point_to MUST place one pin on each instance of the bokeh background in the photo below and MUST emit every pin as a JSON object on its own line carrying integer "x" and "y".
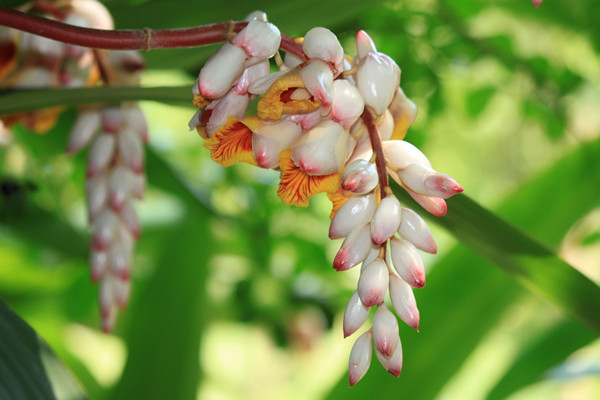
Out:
{"x": 234, "y": 296}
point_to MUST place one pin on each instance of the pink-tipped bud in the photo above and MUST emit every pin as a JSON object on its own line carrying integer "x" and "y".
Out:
{"x": 385, "y": 331}
{"x": 119, "y": 261}
{"x": 321, "y": 43}
{"x": 386, "y": 219}
{"x": 377, "y": 78}
{"x": 131, "y": 150}
{"x": 119, "y": 188}
{"x": 356, "y": 211}
{"x": 130, "y": 219}
{"x": 360, "y": 176}
{"x": 360, "y": 357}
{"x": 434, "y": 205}
{"x": 86, "y": 125}
{"x": 97, "y": 194}
{"x": 425, "y": 180}
{"x": 112, "y": 117}
{"x": 104, "y": 228}
{"x": 403, "y": 300}
{"x": 221, "y": 70}
{"x": 400, "y": 154}
{"x": 122, "y": 292}
{"x": 259, "y": 40}
{"x": 414, "y": 229}
{"x": 106, "y": 297}
{"x": 364, "y": 45}
{"x": 355, "y": 315}
{"x": 138, "y": 184}
{"x": 354, "y": 249}
{"x": 230, "y": 105}
{"x": 536, "y": 3}
{"x": 100, "y": 154}
{"x": 373, "y": 283}
{"x": 98, "y": 265}
{"x": 322, "y": 150}
{"x": 347, "y": 103}
{"x": 408, "y": 262}
{"x": 136, "y": 120}
{"x": 318, "y": 79}
{"x": 392, "y": 364}
{"x": 251, "y": 75}
{"x": 268, "y": 140}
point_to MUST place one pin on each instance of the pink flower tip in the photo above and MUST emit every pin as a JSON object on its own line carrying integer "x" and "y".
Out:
{"x": 536, "y": 3}
{"x": 395, "y": 372}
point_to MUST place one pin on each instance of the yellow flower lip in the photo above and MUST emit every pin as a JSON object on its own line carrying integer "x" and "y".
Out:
{"x": 279, "y": 100}
{"x": 231, "y": 144}
{"x": 297, "y": 187}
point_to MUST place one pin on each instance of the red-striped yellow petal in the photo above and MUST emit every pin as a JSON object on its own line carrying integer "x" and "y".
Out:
{"x": 297, "y": 187}
{"x": 231, "y": 144}
{"x": 280, "y": 98}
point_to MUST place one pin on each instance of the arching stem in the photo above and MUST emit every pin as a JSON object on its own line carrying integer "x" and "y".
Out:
{"x": 377, "y": 150}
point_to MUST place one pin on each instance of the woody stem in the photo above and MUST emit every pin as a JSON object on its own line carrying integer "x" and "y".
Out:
{"x": 131, "y": 39}
{"x": 378, "y": 150}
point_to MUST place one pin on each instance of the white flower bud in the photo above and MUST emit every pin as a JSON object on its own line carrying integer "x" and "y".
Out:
{"x": 356, "y": 211}
{"x": 86, "y": 125}
{"x": 385, "y": 331}
{"x": 354, "y": 249}
{"x": 355, "y": 315}
{"x": 360, "y": 176}
{"x": 408, "y": 262}
{"x": 100, "y": 154}
{"x": 373, "y": 283}
{"x": 377, "y": 78}
{"x": 260, "y": 40}
{"x": 322, "y": 150}
{"x": 360, "y": 357}
{"x": 347, "y": 103}
{"x": 318, "y": 79}
{"x": 221, "y": 70}
{"x": 386, "y": 219}
{"x": 403, "y": 300}
{"x": 321, "y": 43}
{"x": 414, "y": 229}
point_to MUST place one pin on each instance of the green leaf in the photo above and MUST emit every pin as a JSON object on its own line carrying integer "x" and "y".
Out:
{"x": 15, "y": 101}
{"x": 537, "y": 357}
{"x": 29, "y": 369}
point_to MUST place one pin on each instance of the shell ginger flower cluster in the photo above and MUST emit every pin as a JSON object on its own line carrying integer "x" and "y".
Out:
{"x": 332, "y": 124}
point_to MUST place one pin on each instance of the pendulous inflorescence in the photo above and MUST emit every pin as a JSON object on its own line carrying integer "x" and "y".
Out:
{"x": 332, "y": 124}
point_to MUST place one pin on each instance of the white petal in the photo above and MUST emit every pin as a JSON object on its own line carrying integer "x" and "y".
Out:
{"x": 131, "y": 150}
{"x": 392, "y": 364}
{"x": 259, "y": 39}
{"x": 119, "y": 188}
{"x": 322, "y": 150}
{"x": 373, "y": 283}
{"x": 385, "y": 331}
{"x": 98, "y": 264}
{"x": 364, "y": 45}
{"x": 377, "y": 79}
{"x": 401, "y": 154}
{"x": 230, "y": 105}
{"x": 318, "y": 79}
{"x": 257, "y": 14}
{"x": 408, "y": 262}
{"x": 100, "y": 154}
{"x": 221, "y": 71}
{"x": 96, "y": 194}
{"x": 104, "y": 228}
{"x": 347, "y": 103}
{"x": 251, "y": 75}
{"x": 360, "y": 176}
{"x": 386, "y": 220}
{"x": 355, "y": 315}
{"x": 403, "y": 300}
{"x": 112, "y": 118}
{"x": 261, "y": 85}
{"x": 271, "y": 139}
{"x": 119, "y": 261}
{"x": 356, "y": 211}
{"x": 130, "y": 219}
{"x": 322, "y": 44}
{"x": 136, "y": 120}
{"x": 354, "y": 249}
{"x": 425, "y": 180}
{"x": 414, "y": 229}
{"x": 360, "y": 357}
{"x": 86, "y": 125}
{"x": 291, "y": 60}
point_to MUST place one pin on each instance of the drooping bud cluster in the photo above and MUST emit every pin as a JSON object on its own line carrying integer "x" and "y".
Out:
{"x": 30, "y": 61}
{"x": 114, "y": 180}
{"x": 333, "y": 124}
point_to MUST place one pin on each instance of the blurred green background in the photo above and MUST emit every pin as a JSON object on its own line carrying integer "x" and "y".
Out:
{"x": 234, "y": 296}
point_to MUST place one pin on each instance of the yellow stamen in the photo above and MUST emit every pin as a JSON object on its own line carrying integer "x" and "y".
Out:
{"x": 271, "y": 106}
{"x": 297, "y": 187}
{"x": 200, "y": 101}
{"x": 231, "y": 144}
